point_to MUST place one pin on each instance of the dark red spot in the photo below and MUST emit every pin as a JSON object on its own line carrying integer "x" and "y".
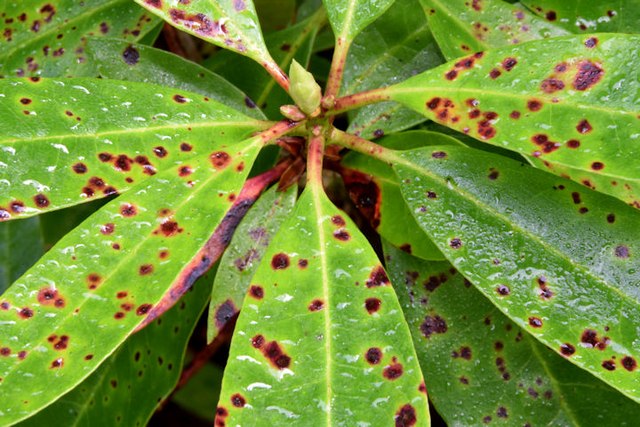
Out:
{"x": 535, "y": 322}
{"x": 509, "y": 63}
{"x": 503, "y": 290}
{"x": 502, "y": 412}
{"x": 493, "y": 175}
{"x": 378, "y": 277}
{"x": 373, "y": 355}
{"x": 185, "y": 147}
{"x": 25, "y": 313}
{"x": 515, "y": 115}
{"x": 16, "y": 207}
{"x": 534, "y": 105}
{"x": 5, "y": 351}
{"x": 596, "y": 166}
{"x": 256, "y": 291}
{"x": 41, "y": 200}
{"x": 145, "y": 269}
{"x": 88, "y": 357}
{"x": 589, "y": 73}
{"x": 591, "y": 42}
{"x": 342, "y": 234}
{"x": 58, "y": 363}
{"x": 338, "y": 220}
{"x": 455, "y": 243}
{"x": 123, "y": 163}
{"x": 79, "y": 168}
{"x": 249, "y": 102}
{"x": 143, "y": 309}
{"x": 5, "y": 305}
{"x": 303, "y": 263}
{"x": 495, "y": 73}
{"x": 451, "y": 75}
{"x": 131, "y": 55}
{"x": 179, "y": 99}
{"x": 93, "y": 280}
{"x": 160, "y": 152}
{"x": 393, "y": 371}
{"x": 609, "y": 365}
{"x": 154, "y": 3}
{"x": 274, "y": 353}
{"x": 238, "y": 401}
{"x": 119, "y": 315}
{"x": 433, "y": 325}
{"x": 280, "y": 261}
{"x": 257, "y": 341}
{"x": 552, "y": 85}
{"x": 50, "y": 296}
{"x": 25, "y": 101}
{"x": 316, "y": 305}
{"x": 220, "y": 159}
{"x": 584, "y": 127}
{"x": 107, "y": 228}
{"x": 121, "y": 294}
{"x": 62, "y": 343}
{"x": 224, "y": 313}
{"x": 590, "y": 339}
{"x": 406, "y": 416}
{"x": 128, "y": 210}
{"x": 622, "y": 251}
{"x": 629, "y": 363}
{"x": 433, "y": 103}
{"x": 372, "y": 305}
{"x": 422, "y": 388}
{"x": 551, "y": 15}
{"x": 576, "y": 197}
{"x": 611, "y": 218}
{"x": 573, "y": 143}
{"x": 464, "y": 352}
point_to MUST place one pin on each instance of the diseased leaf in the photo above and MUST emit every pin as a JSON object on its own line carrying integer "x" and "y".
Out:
{"x": 299, "y": 355}
{"x": 374, "y": 188}
{"x": 131, "y": 383}
{"x": 396, "y": 46}
{"x": 462, "y": 27}
{"x": 48, "y": 39}
{"x": 242, "y": 257}
{"x": 118, "y": 269}
{"x": 480, "y": 368}
{"x": 94, "y": 138}
{"x": 586, "y": 16}
{"x": 230, "y": 24}
{"x": 20, "y": 247}
{"x": 566, "y": 101}
{"x": 119, "y": 60}
{"x": 559, "y": 259}
{"x": 348, "y": 18}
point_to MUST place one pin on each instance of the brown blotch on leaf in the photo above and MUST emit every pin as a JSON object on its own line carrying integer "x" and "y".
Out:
{"x": 185, "y": 147}
{"x": 131, "y": 56}
{"x": 25, "y": 313}
{"x": 51, "y": 296}
{"x": 535, "y": 322}
{"x": 280, "y": 261}
{"x": 107, "y": 229}
{"x": 303, "y": 263}
{"x": 373, "y": 355}
{"x": 143, "y": 309}
{"x": 224, "y": 313}
{"x": 61, "y": 343}
{"x": 621, "y": 251}
{"x": 596, "y": 166}
{"x": 378, "y": 277}
{"x": 256, "y": 292}
{"x": 316, "y": 305}
{"x": 629, "y": 363}
{"x": 128, "y": 210}
{"x": 551, "y": 85}
{"x": 433, "y": 325}
{"x": 464, "y": 352}
{"x": 220, "y": 159}
{"x": 372, "y": 305}
{"x": 509, "y": 63}
{"x": 342, "y": 234}
{"x": 584, "y": 126}
{"x": 393, "y": 371}
{"x": 160, "y": 152}
{"x": 41, "y": 200}
{"x": 338, "y": 220}
{"x": 238, "y": 401}
{"x": 94, "y": 280}
{"x": 168, "y": 228}
{"x": 609, "y": 365}
{"x": 515, "y": 115}
{"x": 589, "y": 74}
{"x": 257, "y": 341}
{"x": 534, "y": 105}
{"x": 145, "y": 269}
{"x": 502, "y": 412}
{"x": 406, "y": 416}
{"x": 58, "y": 363}
{"x": 573, "y": 143}
{"x": 274, "y": 353}
{"x": 179, "y": 99}
{"x": 590, "y": 339}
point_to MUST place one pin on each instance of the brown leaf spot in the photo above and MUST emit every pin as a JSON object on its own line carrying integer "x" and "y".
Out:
{"x": 393, "y": 371}
{"x": 41, "y": 201}
{"x": 551, "y": 85}
{"x": 145, "y": 269}
{"x": 629, "y": 363}
{"x": 238, "y": 401}
{"x": 589, "y": 74}
{"x": 224, "y": 313}
{"x": 131, "y": 56}
{"x": 372, "y": 305}
{"x": 378, "y": 277}
{"x": 535, "y": 322}
{"x": 280, "y": 261}
{"x": 256, "y": 292}
{"x": 143, "y": 309}
{"x": 406, "y": 416}
{"x": 128, "y": 210}
{"x": 433, "y": 325}
{"x": 609, "y": 365}
{"x": 316, "y": 305}
{"x": 220, "y": 159}
{"x": 621, "y": 251}
{"x": 373, "y": 356}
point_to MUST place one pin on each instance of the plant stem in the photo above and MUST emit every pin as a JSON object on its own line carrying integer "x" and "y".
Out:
{"x": 357, "y": 100}
{"x": 314, "y": 157}
{"x": 279, "y": 129}
{"x": 365, "y": 147}
{"x": 337, "y": 67}
{"x": 276, "y": 72}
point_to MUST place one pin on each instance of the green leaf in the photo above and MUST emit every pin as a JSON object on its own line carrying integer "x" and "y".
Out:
{"x": 476, "y": 361}
{"x": 230, "y": 24}
{"x": 119, "y": 60}
{"x": 20, "y": 247}
{"x": 585, "y": 16}
{"x": 112, "y": 273}
{"x": 144, "y": 370}
{"x": 48, "y": 39}
{"x": 348, "y": 18}
{"x": 375, "y": 190}
{"x": 299, "y": 354}
{"x": 293, "y": 42}
{"x": 93, "y": 138}
{"x": 242, "y": 257}
{"x": 564, "y": 100}
{"x": 201, "y": 393}
{"x": 559, "y": 259}
{"x": 395, "y": 47}
{"x": 463, "y": 27}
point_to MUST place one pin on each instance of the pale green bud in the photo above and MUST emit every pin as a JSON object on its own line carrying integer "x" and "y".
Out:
{"x": 303, "y": 89}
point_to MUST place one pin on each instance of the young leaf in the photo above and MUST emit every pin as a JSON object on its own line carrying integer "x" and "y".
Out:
{"x": 553, "y": 99}
{"x": 463, "y": 27}
{"x": 118, "y": 60}
{"x": 557, "y": 258}
{"x": 300, "y": 333}
{"x": 94, "y": 138}
{"x": 21, "y": 245}
{"x": 241, "y": 259}
{"x": 395, "y": 47}
{"x": 583, "y": 16}
{"x": 349, "y": 18}
{"x": 472, "y": 353}
{"x": 117, "y": 270}
{"x": 48, "y": 39}
{"x": 144, "y": 370}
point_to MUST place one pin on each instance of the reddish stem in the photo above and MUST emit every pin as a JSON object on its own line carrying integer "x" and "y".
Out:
{"x": 364, "y": 146}
{"x": 276, "y": 72}
{"x": 314, "y": 157}
{"x": 278, "y": 130}
{"x": 357, "y": 100}
{"x": 337, "y": 67}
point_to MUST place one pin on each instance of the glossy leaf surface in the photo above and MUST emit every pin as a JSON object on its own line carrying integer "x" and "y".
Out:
{"x": 349, "y": 17}
{"x": 559, "y": 259}
{"x": 586, "y": 16}
{"x": 375, "y": 190}
{"x": 396, "y": 46}
{"x": 299, "y": 356}
{"x": 565, "y": 100}
{"x": 94, "y": 138}
{"x": 480, "y": 368}
{"x": 87, "y": 294}
{"x": 129, "y": 385}
{"x": 463, "y": 27}
{"x": 21, "y": 245}
{"x": 48, "y": 38}
{"x": 242, "y": 257}
{"x": 119, "y": 60}
{"x": 230, "y": 24}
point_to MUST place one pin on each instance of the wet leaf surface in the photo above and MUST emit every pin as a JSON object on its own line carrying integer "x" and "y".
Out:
{"x": 242, "y": 257}
{"x": 396, "y": 46}
{"x": 586, "y": 16}
{"x": 464, "y": 27}
{"x": 565, "y": 101}
{"x": 69, "y": 312}
{"x": 559, "y": 259}
{"x": 95, "y": 138}
{"x": 348, "y": 18}
{"x": 482, "y": 369}
{"x": 300, "y": 333}
{"x": 375, "y": 190}
{"x": 47, "y": 39}
{"x": 131, "y": 383}
{"x": 21, "y": 245}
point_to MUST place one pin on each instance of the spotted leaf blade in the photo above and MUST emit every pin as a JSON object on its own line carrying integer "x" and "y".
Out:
{"x": 541, "y": 248}
{"x": 348, "y": 18}
{"x": 230, "y": 24}
{"x": 21, "y": 244}
{"x": 395, "y": 47}
{"x": 242, "y": 257}
{"x": 463, "y": 27}
{"x": 565, "y": 101}
{"x": 585, "y": 16}
{"x": 48, "y": 38}
{"x": 472, "y": 353}
{"x": 87, "y": 294}
{"x": 144, "y": 370}
{"x": 95, "y": 138}
{"x": 300, "y": 333}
